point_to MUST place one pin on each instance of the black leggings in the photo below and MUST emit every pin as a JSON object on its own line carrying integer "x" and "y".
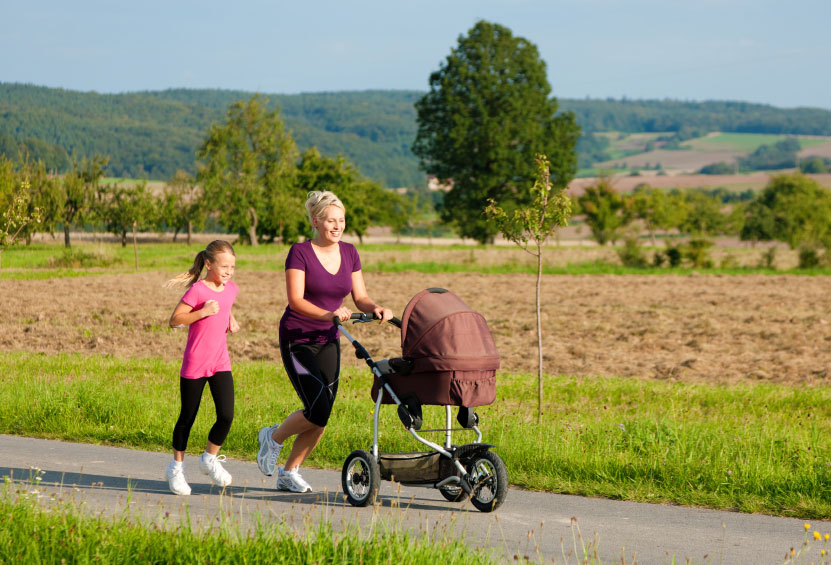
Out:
{"x": 313, "y": 370}
{"x": 222, "y": 391}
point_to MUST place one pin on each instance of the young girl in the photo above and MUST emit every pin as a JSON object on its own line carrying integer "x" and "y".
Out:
{"x": 320, "y": 273}
{"x": 206, "y": 308}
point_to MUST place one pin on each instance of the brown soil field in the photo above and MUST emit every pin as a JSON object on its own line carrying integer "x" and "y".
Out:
{"x": 697, "y": 328}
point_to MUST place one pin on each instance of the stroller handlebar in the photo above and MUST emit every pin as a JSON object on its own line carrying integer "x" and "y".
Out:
{"x": 364, "y": 317}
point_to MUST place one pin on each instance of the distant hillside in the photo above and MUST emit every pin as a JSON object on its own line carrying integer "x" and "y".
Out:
{"x": 152, "y": 134}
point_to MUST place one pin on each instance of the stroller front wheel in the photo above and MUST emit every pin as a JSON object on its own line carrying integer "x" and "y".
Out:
{"x": 452, "y": 493}
{"x": 489, "y": 479}
{"x": 361, "y": 478}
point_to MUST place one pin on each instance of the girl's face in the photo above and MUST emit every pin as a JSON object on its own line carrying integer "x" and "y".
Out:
{"x": 331, "y": 224}
{"x": 221, "y": 269}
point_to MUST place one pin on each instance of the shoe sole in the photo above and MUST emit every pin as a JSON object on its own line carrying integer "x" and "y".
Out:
{"x": 262, "y": 436}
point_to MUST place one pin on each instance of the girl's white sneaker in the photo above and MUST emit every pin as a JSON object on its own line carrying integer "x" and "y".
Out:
{"x": 212, "y": 466}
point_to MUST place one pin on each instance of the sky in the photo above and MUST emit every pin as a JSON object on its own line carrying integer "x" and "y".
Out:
{"x": 773, "y": 52}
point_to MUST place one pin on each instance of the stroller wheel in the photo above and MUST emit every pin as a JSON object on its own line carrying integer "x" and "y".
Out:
{"x": 452, "y": 494}
{"x": 490, "y": 481}
{"x": 361, "y": 478}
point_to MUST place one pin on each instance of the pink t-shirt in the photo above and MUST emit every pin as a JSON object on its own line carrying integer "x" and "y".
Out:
{"x": 206, "y": 352}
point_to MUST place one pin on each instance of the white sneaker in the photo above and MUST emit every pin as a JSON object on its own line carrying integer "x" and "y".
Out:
{"x": 176, "y": 480}
{"x": 268, "y": 453}
{"x": 292, "y": 481}
{"x": 219, "y": 476}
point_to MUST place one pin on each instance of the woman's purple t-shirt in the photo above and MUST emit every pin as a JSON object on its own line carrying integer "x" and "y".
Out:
{"x": 322, "y": 288}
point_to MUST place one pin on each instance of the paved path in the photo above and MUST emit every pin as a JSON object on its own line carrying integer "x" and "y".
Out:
{"x": 106, "y": 479}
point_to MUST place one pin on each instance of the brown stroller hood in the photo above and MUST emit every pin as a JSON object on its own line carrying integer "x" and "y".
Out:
{"x": 453, "y": 355}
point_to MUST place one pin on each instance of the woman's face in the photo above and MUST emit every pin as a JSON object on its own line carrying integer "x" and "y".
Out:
{"x": 331, "y": 224}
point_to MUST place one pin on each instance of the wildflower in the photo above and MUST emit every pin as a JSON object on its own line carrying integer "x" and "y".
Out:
{"x": 816, "y": 535}
{"x": 807, "y": 527}
{"x": 621, "y": 427}
{"x": 826, "y": 537}
{"x": 822, "y": 552}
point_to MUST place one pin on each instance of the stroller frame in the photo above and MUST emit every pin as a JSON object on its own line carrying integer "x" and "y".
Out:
{"x": 467, "y": 471}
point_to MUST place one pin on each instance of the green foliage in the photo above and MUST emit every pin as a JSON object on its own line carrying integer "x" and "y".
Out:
{"x": 248, "y": 163}
{"x": 815, "y": 165}
{"x": 780, "y": 155}
{"x": 703, "y": 214}
{"x": 182, "y": 207}
{"x": 486, "y": 116}
{"x": 793, "y": 209}
{"x": 80, "y": 195}
{"x": 720, "y": 168}
{"x": 128, "y": 208}
{"x": 606, "y": 210}
{"x": 632, "y": 255}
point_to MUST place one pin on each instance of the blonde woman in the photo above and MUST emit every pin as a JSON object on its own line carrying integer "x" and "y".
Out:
{"x": 320, "y": 273}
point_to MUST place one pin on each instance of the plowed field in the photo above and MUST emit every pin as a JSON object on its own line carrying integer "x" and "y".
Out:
{"x": 690, "y": 328}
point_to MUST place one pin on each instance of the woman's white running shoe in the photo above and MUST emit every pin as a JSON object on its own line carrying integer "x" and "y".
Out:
{"x": 219, "y": 476}
{"x": 176, "y": 480}
{"x": 292, "y": 481}
{"x": 269, "y": 451}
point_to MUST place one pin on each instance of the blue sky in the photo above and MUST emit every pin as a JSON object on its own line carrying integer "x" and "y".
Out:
{"x": 769, "y": 51}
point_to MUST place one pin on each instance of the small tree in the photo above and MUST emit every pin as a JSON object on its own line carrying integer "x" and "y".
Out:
{"x": 130, "y": 208}
{"x": 80, "y": 187}
{"x": 532, "y": 226}
{"x": 606, "y": 211}
{"x": 182, "y": 205}
{"x": 16, "y": 218}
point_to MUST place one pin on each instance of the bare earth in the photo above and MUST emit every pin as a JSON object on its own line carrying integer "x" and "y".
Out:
{"x": 690, "y": 328}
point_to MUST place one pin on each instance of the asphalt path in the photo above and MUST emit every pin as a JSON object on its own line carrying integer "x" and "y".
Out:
{"x": 114, "y": 481}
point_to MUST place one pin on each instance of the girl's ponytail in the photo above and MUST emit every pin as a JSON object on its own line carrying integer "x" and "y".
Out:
{"x": 213, "y": 249}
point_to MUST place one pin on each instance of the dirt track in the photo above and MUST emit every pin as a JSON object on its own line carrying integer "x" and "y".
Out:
{"x": 711, "y": 328}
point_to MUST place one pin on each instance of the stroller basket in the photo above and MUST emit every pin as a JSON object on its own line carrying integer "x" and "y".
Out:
{"x": 416, "y": 467}
{"x": 449, "y": 353}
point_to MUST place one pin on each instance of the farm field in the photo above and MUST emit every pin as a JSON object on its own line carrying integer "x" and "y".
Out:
{"x": 688, "y": 327}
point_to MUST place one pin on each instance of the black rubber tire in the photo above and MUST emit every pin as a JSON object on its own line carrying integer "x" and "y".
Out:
{"x": 490, "y": 481}
{"x": 361, "y": 478}
{"x": 452, "y": 494}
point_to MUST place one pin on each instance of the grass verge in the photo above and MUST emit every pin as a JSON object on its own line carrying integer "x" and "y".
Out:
{"x": 752, "y": 448}
{"x": 56, "y": 532}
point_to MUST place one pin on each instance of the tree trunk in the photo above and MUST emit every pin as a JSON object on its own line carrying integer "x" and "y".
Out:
{"x": 135, "y": 245}
{"x": 1, "y": 258}
{"x": 123, "y": 237}
{"x": 66, "y": 242}
{"x": 252, "y": 230}
{"x": 539, "y": 334}
{"x": 190, "y": 231}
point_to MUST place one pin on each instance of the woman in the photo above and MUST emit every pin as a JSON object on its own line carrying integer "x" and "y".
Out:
{"x": 320, "y": 273}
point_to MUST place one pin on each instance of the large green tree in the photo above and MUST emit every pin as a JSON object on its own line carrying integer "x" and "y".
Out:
{"x": 247, "y": 161}
{"x": 488, "y": 113}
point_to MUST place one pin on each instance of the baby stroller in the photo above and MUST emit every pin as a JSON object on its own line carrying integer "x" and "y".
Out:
{"x": 448, "y": 359}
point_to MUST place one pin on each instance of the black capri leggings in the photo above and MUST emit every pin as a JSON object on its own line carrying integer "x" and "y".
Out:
{"x": 313, "y": 370}
{"x": 222, "y": 391}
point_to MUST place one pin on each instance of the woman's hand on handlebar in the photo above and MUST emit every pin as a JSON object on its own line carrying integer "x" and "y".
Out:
{"x": 383, "y": 314}
{"x": 341, "y": 314}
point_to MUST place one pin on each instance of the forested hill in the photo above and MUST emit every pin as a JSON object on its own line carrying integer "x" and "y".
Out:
{"x": 152, "y": 134}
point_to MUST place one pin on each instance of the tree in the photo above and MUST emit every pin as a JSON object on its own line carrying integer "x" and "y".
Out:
{"x": 247, "y": 162}
{"x": 80, "y": 188}
{"x": 534, "y": 224}
{"x": 182, "y": 205}
{"x": 365, "y": 201}
{"x": 658, "y": 209}
{"x": 606, "y": 211}
{"x": 793, "y": 209}
{"x": 16, "y": 217}
{"x": 129, "y": 208}
{"x": 486, "y": 116}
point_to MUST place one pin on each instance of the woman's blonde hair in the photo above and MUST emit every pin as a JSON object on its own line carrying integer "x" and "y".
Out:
{"x": 210, "y": 252}
{"x": 316, "y": 203}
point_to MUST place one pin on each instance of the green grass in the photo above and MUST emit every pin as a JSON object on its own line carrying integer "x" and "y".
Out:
{"x": 753, "y": 448}
{"x": 744, "y": 142}
{"x": 58, "y": 533}
{"x": 43, "y": 261}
